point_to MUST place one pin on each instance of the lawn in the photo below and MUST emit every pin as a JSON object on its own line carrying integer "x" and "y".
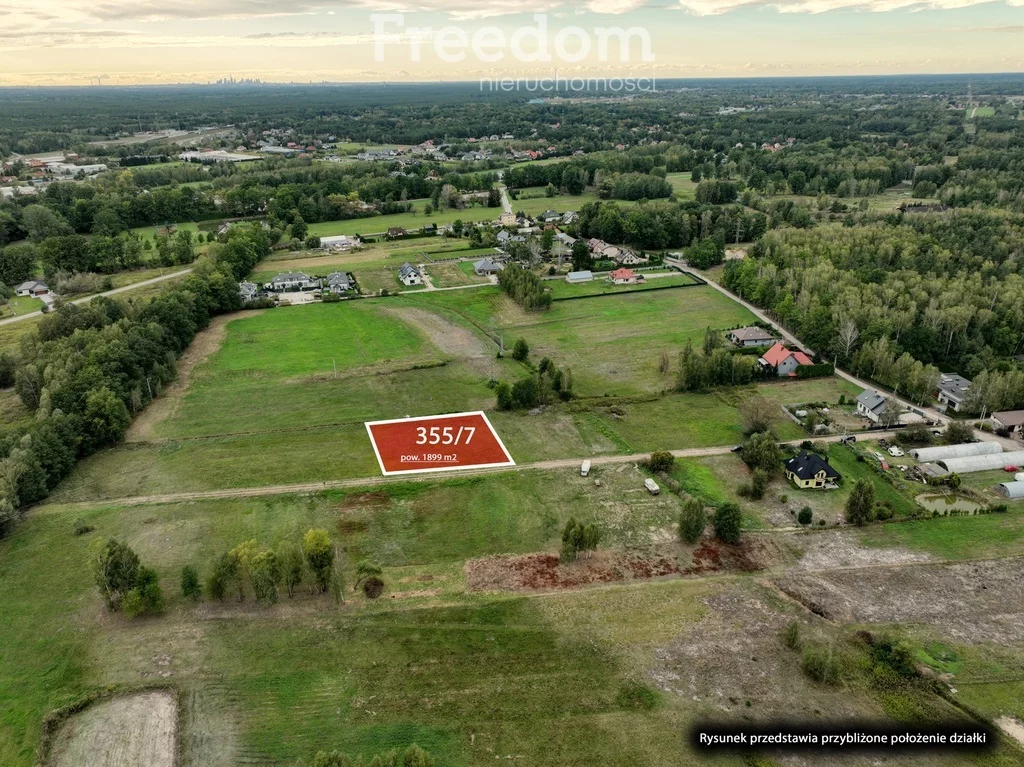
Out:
{"x": 612, "y": 345}
{"x": 18, "y": 305}
{"x": 560, "y": 289}
{"x": 453, "y": 274}
{"x": 272, "y": 685}
{"x": 413, "y": 220}
{"x": 682, "y": 185}
{"x": 963, "y": 537}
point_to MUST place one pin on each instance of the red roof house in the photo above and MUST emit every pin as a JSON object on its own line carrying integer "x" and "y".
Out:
{"x": 784, "y": 361}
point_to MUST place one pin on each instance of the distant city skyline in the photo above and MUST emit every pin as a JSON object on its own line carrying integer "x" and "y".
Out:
{"x": 117, "y": 42}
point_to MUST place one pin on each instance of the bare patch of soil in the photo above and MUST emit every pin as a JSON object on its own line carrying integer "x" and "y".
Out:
{"x": 840, "y": 548}
{"x": 163, "y": 407}
{"x": 1012, "y": 727}
{"x": 133, "y": 730}
{"x": 968, "y": 602}
{"x": 371, "y": 500}
{"x": 734, "y": 661}
{"x": 542, "y": 571}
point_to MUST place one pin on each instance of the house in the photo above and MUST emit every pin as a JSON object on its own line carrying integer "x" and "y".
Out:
{"x": 596, "y": 245}
{"x": 549, "y": 215}
{"x": 952, "y": 390}
{"x": 340, "y": 282}
{"x": 32, "y": 288}
{"x": 570, "y": 217}
{"x": 574, "y": 278}
{"x": 628, "y": 258}
{"x": 247, "y": 290}
{"x": 487, "y": 267}
{"x": 410, "y": 275}
{"x": 610, "y": 252}
{"x": 871, "y": 405}
{"x": 784, "y": 361}
{"x": 810, "y": 470}
{"x": 625, "y": 277}
{"x": 503, "y": 237}
{"x": 1011, "y": 420}
{"x": 293, "y": 281}
{"x": 396, "y": 232}
{"x": 752, "y": 336}
{"x": 565, "y": 239}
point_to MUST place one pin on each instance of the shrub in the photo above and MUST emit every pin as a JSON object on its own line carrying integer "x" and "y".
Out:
{"x": 783, "y": 498}
{"x": 822, "y": 665}
{"x": 82, "y": 527}
{"x": 727, "y": 523}
{"x": 692, "y": 521}
{"x": 521, "y": 350}
{"x": 791, "y": 635}
{"x": 759, "y": 484}
{"x": 373, "y": 587}
{"x": 805, "y": 516}
{"x": 958, "y": 432}
{"x": 661, "y": 460}
{"x": 190, "y": 588}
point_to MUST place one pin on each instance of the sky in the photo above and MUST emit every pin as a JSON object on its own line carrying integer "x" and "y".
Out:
{"x": 120, "y": 42}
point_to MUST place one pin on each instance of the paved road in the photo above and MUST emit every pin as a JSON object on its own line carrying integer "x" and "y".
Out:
{"x": 335, "y": 484}
{"x": 114, "y": 292}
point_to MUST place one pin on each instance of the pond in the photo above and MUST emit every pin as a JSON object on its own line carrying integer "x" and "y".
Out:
{"x": 947, "y": 503}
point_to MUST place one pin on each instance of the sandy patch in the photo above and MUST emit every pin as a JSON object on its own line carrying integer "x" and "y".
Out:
{"x": 827, "y": 551}
{"x": 1012, "y": 727}
{"x": 451, "y": 339}
{"x": 164, "y": 406}
{"x": 969, "y": 602}
{"x": 130, "y": 731}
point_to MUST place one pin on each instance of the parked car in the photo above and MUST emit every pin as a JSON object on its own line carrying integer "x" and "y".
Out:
{"x": 652, "y": 486}
{"x": 895, "y": 452}
{"x": 585, "y": 468}
{"x": 848, "y": 440}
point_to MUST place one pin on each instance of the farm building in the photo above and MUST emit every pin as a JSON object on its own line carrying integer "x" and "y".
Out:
{"x": 577, "y": 277}
{"x": 982, "y": 462}
{"x": 810, "y": 470}
{"x": 1012, "y": 490}
{"x": 1013, "y": 420}
{"x": 410, "y": 275}
{"x": 926, "y": 454}
{"x": 338, "y": 242}
{"x": 752, "y": 336}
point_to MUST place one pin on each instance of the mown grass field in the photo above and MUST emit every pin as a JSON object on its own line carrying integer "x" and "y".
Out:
{"x": 601, "y": 286}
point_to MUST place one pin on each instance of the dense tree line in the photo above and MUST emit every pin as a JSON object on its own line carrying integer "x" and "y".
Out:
{"x": 929, "y": 288}
{"x": 524, "y": 287}
{"x": 89, "y": 370}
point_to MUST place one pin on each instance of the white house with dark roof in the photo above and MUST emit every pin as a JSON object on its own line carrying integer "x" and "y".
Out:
{"x": 952, "y": 390}
{"x": 410, "y": 275}
{"x": 752, "y": 336}
{"x": 247, "y": 290}
{"x": 340, "y": 282}
{"x": 485, "y": 267}
{"x": 293, "y": 281}
{"x": 871, "y": 405}
{"x": 32, "y": 288}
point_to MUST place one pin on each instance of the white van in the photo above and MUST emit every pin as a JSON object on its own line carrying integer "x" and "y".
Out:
{"x": 652, "y": 486}
{"x": 584, "y": 468}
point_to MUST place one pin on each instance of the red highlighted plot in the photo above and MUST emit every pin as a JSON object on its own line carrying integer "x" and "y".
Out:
{"x": 437, "y": 443}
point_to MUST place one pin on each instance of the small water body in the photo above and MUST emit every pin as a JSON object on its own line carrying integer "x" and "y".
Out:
{"x": 951, "y": 503}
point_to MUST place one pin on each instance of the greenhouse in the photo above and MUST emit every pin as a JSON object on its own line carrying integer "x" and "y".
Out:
{"x": 927, "y": 454}
{"x": 982, "y": 462}
{"x": 1012, "y": 489}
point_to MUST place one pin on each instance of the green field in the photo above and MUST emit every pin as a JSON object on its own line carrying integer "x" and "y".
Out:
{"x": 600, "y": 286}
{"x": 413, "y": 220}
{"x": 682, "y": 185}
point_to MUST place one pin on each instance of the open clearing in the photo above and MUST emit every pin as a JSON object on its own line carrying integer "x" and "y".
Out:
{"x": 129, "y": 731}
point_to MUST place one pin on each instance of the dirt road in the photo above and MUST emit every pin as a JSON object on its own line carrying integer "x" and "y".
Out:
{"x": 340, "y": 484}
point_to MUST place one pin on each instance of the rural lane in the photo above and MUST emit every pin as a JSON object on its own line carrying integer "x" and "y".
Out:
{"x": 341, "y": 484}
{"x": 112, "y": 292}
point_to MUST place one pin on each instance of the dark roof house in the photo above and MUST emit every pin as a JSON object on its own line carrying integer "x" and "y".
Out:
{"x": 810, "y": 470}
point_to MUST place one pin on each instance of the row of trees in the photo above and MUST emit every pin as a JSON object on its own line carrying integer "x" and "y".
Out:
{"x": 88, "y": 370}
{"x": 712, "y": 366}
